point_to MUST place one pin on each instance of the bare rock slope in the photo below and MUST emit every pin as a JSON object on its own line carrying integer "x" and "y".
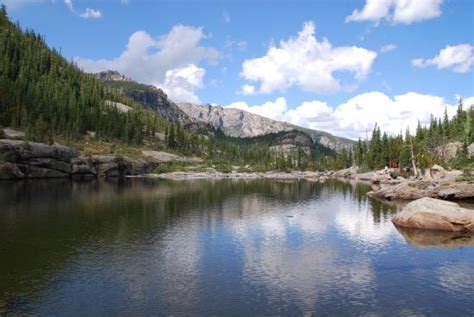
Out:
{"x": 239, "y": 123}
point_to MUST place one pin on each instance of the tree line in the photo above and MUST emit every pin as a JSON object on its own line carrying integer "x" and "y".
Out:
{"x": 426, "y": 146}
{"x": 47, "y": 96}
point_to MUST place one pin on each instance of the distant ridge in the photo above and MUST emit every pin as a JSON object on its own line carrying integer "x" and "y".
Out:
{"x": 243, "y": 124}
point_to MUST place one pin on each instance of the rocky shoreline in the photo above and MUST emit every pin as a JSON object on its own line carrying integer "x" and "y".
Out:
{"x": 415, "y": 189}
{"x": 252, "y": 175}
{"x": 30, "y": 160}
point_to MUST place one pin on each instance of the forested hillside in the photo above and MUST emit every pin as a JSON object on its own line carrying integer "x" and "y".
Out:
{"x": 147, "y": 95}
{"x": 444, "y": 141}
{"x": 47, "y": 96}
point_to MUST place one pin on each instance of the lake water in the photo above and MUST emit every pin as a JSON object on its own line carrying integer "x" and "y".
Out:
{"x": 230, "y": 247}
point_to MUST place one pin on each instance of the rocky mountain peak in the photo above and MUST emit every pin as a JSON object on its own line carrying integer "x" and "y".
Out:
{"x": 242, "y": 124}
{"x": 112, "y": 75}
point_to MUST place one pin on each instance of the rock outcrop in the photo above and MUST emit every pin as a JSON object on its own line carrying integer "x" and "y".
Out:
{"x": 165, "y": 157}
{"x": 83, "y": 168}
{"x": 12, "y": 134}
{"x": 20, "y": 159}
{"x": 119, "y": 166}
{"x": 26, "y": 160}
{"x": 291, "y": 142}
{"x": 112, "y": 75}
{"x": 416, "y": 189}
{"x": 435, "y": 214}
{"x": 448, "y": 151}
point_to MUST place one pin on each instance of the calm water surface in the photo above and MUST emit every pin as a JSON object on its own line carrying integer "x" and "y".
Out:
{"x": 151, "y": 247}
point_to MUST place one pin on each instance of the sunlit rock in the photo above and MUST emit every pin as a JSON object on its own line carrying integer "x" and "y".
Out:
{"x": 435, "y": 214}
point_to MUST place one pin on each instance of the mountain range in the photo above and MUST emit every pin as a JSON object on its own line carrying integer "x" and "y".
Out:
{"x": 233, "y": 123}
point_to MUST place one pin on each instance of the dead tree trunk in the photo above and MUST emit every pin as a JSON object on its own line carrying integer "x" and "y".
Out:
{"x": 413, "y": 158}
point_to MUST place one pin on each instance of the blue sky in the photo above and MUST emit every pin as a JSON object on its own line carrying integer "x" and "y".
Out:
{"x": 381, "y": 61}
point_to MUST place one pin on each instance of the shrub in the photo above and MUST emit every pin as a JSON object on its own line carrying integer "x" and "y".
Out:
{"x": 224, "y": 168}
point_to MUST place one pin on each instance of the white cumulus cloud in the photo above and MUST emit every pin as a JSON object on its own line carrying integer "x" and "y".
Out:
{"x": 397, "y": 11}
{"x": 181, "y": 83}
{"x": 357, "y": 116}
{"x": 387, "y": 48}
{"x": 69, "y": 4}
{"x": 458, "y": 58}
{"x": 87, "y": 14}
{"x": 310, "y": 64}
{"x": 247, "y": 90}
{"x": 91, "y": 14}
{"x": 162, "y": 61}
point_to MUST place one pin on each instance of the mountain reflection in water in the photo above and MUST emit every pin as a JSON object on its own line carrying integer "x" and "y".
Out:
{"x": 220, "y": 247}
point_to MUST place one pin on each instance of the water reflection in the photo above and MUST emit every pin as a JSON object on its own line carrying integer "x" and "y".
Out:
{"x": 240, "y": 247}
{"x": 435, "y": 238}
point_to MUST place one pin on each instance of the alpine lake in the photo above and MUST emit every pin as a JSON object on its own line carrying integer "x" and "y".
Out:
{"x": 149, "y": 247}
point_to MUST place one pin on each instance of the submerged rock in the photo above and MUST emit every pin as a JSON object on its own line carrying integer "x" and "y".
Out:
{"x": 435, "y": 214}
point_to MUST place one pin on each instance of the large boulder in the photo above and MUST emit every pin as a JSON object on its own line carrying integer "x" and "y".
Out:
{"x": 434, "y": 173}
{"x": 14, "y": 151}
{"x": 50, "y": 163}
{"x": 83, "y": 168}
{"x": 41, "y": 172}
{"x": 435, "y": 214}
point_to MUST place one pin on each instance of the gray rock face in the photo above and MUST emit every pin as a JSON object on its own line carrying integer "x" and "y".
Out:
{"x": 119, "y": 106}
{"x": 233, "y": 122}
{"x": 83, "y": 168}
{"x": 448, "y": 151}
{"x": 111, "y": 75}
{"x": 13, "y": 150}
{"x": 291, "y": 142}
{"x": 242, "y": 124}
{"x": 118, "y": 166}
{"x": 326, "y": 139}
{"x": 19, "y": 159}
{"x": 435, "y": 214}
{"x": 50, "y": 163}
